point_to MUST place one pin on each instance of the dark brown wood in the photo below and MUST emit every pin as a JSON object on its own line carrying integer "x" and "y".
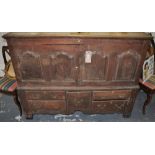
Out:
{"x": 108, "y": 106}
{"x": 45, "y": 95}
{"x": 78, "y": 101}
{"x": 54, "y": 77}
{"x": 111, "y": 95}
{"x": 149, "y": 92}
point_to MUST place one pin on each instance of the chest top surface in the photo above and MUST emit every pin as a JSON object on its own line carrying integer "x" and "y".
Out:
{"x": 130, "y": 35}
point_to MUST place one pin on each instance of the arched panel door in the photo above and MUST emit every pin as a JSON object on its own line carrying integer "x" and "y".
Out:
{"x": 62, "y": 67}
{"x": 93, "y": 72}
{"x": 127, "y": 65}
{"x": 30, "y": 65}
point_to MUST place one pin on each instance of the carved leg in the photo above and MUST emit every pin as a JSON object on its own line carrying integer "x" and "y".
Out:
{"x": 17, "y": 103}
{"x": 147, "y": 102}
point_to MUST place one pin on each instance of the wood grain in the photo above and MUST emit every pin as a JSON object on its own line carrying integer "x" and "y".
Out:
{"x": 53, "y": 76}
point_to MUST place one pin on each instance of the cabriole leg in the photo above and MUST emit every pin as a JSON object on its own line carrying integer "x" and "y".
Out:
{"x": 147, "y": 102}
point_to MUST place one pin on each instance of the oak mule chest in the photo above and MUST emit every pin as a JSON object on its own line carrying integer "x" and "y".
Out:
{"x": 95, "y": 73}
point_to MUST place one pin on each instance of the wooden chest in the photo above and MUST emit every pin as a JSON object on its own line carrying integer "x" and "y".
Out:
{"x": 68, "y": 72}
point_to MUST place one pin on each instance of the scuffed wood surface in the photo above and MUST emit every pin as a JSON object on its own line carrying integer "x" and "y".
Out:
{"x": 80, "y": 34}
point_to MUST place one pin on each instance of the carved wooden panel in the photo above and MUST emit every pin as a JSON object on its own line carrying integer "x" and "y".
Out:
{"x": 78, "y": 101}
{"x": 45, "y": 95}
{"x": 62, "y": 67}
{"x": 44, "y": 106}
{"x": 108, "y": 106}
{"x": 30, "y": 66}
{"x": 127, "y": 65}
{"x": 111, "y": 95}
{"x": 95, "y": 70}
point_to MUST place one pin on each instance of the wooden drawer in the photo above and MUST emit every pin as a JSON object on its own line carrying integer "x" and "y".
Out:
{"x": 109, "y": 106}
{"x": 111, "y": 95}
{"x": 79, "y": 101}
{"x": 48, "y": 106}
{"x": 45, "y": 95}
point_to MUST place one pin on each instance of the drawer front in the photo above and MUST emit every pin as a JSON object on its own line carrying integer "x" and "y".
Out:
{"x": 45, "y": 95}
{"x": 79, "y": 101}
{"x": 108, "y": 106}
{"x": 48, "y": 106}
{"x": 111, "y": 95}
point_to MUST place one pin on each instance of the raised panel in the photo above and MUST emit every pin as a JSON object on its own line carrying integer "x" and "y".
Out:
{"x": 78, "y": 101}
{"x": 95, "y": 70}
{"x": 111, "y": 95}
{"x": 45, "y": 95}
{"x": 61, "y": 66}
{"x": 108, "y": 106}
{"x": 47, "y": 106}
{"x": 30, "y": 66}
{"x": 127, "y": 65}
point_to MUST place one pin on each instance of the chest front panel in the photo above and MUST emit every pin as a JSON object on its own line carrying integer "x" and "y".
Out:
{"x": 65, "y": 62}
{"x": 64, "y": 75}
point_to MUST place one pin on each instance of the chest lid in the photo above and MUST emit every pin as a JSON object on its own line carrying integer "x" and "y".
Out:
{"x": 115, "y": 35}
